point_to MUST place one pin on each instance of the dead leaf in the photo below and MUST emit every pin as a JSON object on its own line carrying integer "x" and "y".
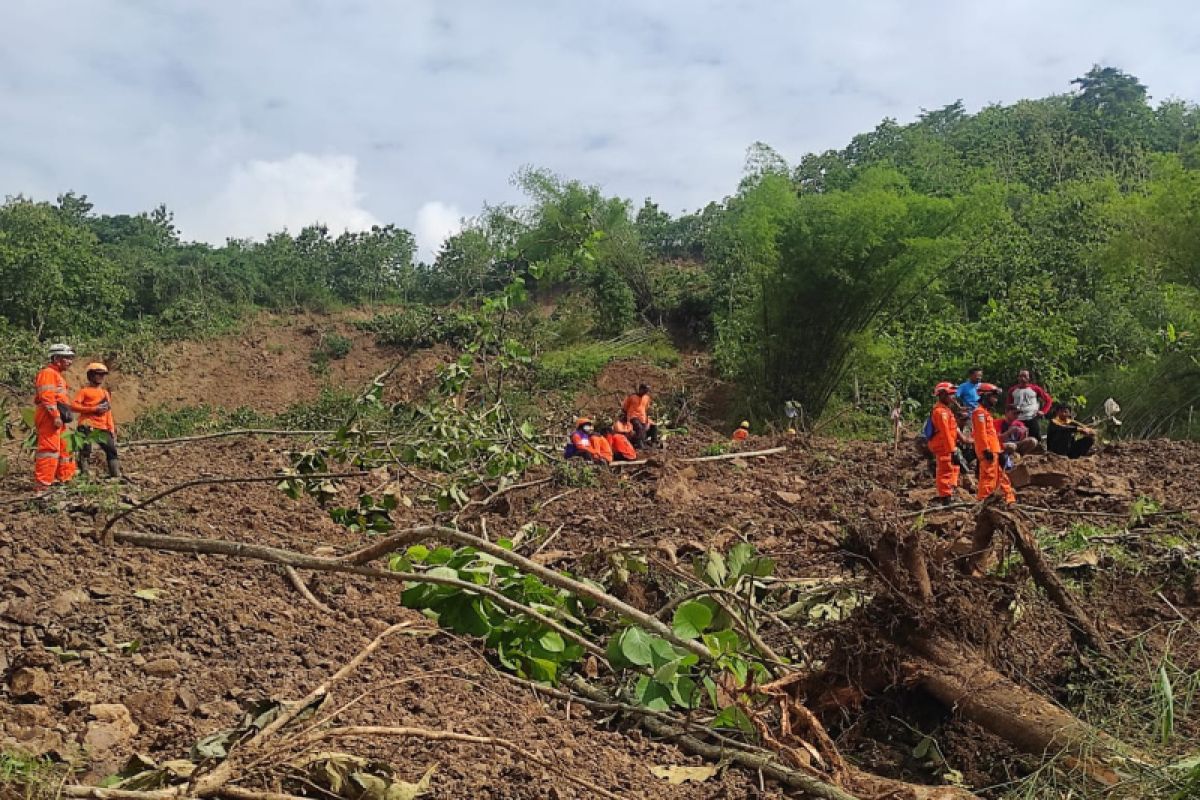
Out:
{"x": 676, "y": 775}
{"x": 148, "y": 594}
{"x": 1080, "y": 560}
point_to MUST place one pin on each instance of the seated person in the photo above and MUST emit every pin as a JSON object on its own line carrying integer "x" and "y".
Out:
{"x": 1065, "y": 436}
{"x": 602, "y": 448}
{"x": 581, "y": 443}
{"x": 1013, "y": 431}
{"x": 622, "y": 448}
{"x": 636, "y": 410}
{"x": 743, "y": 431}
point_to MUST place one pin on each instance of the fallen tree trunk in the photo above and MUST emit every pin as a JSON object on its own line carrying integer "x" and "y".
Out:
{"x": 963, "y": 681}
{"x": 699, "y": 459}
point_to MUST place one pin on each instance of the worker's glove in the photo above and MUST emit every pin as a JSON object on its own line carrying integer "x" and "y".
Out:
{"x": 64, "y": 412}
{"x": 104, "y": 406}
{"x": 989, "y": 456}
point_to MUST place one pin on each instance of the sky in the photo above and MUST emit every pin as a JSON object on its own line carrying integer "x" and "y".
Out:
{"x": 249, "y": 117}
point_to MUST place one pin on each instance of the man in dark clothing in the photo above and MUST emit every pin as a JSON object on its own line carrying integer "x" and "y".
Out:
{"x": 1031, "y": 401}
{"x": 1066, "y": 437}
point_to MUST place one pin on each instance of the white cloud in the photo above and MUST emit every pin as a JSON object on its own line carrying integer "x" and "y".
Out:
{"x": 141, "y": 103}
{"x": 436, "y": 222}
{"x": 261, "y": 197}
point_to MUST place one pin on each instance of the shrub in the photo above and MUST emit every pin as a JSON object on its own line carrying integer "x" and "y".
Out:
{"x": 578, "y": 364}
{"x": 422, "y": 326}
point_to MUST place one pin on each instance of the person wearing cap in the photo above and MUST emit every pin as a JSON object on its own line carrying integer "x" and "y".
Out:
{"x": 96, "y": 420}
{"x": 53, "y": 411}
{"x": 988, "y": 450}
{"x": 743, "y": 431}
{"x": 580, "y": 445}
{"x": 943, "y": 441}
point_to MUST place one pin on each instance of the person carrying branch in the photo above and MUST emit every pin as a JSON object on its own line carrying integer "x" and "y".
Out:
{"x": 96, "y": 420}
{"x": 943, "y": 443}
{"x": 988, "y": 450}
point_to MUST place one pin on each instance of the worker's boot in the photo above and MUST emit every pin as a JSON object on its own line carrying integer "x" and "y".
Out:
{"x": 114, "y": 468}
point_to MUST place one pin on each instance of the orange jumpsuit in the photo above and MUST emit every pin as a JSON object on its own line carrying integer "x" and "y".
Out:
{"x": 601, "y": 449}
{"x": 51, "y": 460}
{"x": 991, "y": 473}
{"x": 621, "y": 446}
{"x": 945, "y": 439}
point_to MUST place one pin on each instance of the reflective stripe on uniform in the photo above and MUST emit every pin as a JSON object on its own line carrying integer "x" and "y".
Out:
{"x": 48, "y": 387}
{"x": 66, "y": 459}
{"x": 41, "y": 454}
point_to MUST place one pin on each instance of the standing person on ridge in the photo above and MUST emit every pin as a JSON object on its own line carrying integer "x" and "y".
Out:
{"x": 1031, "y": 401}
{"x": 637, "y": 410}
{"x": 943, "y": 444}
{"x": 987, "y": 446}
{"x": 968, "y": 391}
{"x": 52, "y": 461}
{"x": 95, "y": 417}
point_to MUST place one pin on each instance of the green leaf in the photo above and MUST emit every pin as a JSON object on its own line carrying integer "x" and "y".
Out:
{"x": 417, "y": 554}
{"x": 636, "y": 647}
{"x": 733, "y": 717}
{"x": 691, "y": 619}
{"x": 739, "y": 556}
{"x": 552, "y": 642}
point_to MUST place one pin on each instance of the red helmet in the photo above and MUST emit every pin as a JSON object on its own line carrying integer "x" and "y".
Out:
{"x": 944, "y": 386}
{"x": 989, "y": 388}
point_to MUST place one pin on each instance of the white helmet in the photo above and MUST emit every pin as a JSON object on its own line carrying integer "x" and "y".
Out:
{"x": 61, "y": 349}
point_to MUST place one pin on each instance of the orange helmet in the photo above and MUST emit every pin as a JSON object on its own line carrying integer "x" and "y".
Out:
{"x": 944, "y": 386}
{"x": 96, "y": 366}
{"x": 989, "y": 388}
{"x": 579, "y": 423}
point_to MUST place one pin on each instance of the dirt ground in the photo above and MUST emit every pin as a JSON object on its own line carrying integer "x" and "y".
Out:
{"x": 214, "y": 634}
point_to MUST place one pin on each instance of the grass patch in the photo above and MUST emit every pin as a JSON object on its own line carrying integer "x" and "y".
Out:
{"x": 579, "y": 364}
{"x": 422, "y": 326}
{"x": 24, "y": 776}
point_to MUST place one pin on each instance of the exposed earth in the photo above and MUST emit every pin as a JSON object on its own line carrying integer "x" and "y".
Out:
{"x": 109, "y": 650}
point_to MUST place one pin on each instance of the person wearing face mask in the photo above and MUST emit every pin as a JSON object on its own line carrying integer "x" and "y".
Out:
{"x": 581, "y": 444}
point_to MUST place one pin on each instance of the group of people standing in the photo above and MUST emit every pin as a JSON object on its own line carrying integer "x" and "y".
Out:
{"x": 631, "y": 431}
{"x": 55, "y": 409}
{"x": 995, "y": 439}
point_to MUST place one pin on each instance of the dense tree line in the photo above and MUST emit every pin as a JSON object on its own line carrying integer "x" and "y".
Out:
{"x": 1062, "y": 234}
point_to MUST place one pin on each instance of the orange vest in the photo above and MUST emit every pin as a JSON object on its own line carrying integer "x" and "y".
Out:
{"x": 740, "y": 435}
{"x": 89, "y": 397}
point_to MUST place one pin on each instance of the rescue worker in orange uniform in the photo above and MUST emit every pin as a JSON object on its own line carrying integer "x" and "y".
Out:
{"x": 96, "y": 420}
{"x": 637, "y": 410}
{"x": 943, "y": 444}
{"x": 743, "y": 431}
{"x": 53, "y": 410}
{"x": 602, "y": 448}
{"x": 988, "y": 448}
{"x": 580, "y": 445}
{"x": 622, "y": 448}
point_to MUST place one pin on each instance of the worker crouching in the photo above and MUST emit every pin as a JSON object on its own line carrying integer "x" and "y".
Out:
{"x": 583, "y": 443}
